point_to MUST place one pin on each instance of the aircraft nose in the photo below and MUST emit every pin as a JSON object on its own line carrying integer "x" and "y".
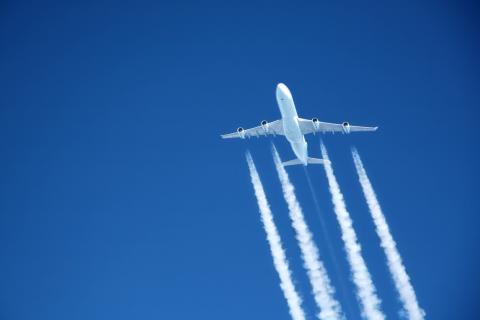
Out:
{"x": 282, "y": 91}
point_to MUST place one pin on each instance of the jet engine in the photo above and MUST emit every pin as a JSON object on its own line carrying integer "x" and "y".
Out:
{"x": 264, "y": 125}
{"x": 241, "y": 132}
{"x": 346, "y": 127}
{"x": 316, "y": 124}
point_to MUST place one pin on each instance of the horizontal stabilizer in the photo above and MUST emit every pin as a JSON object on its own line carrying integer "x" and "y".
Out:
{"x": 292, "y": 162}
{"x": 309, "y": 161}
{"x": 317, "y": 161}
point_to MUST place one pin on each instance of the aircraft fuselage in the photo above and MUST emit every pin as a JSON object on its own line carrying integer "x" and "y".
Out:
{"x": 290, "y": 123}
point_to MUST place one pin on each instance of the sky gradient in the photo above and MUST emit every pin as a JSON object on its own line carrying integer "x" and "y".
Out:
{"x": 119, "y": 200}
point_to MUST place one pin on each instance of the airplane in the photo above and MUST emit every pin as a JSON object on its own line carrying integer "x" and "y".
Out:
{"x": 294, "y": 128}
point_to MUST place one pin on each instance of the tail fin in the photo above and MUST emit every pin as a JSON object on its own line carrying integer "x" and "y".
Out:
{"x": 309, "y": 161}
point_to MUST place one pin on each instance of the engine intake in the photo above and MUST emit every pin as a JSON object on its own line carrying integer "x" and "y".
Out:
{"x": 241, "y": 132}
{"x": 265, "y": 126}
{"x": 346, "y": 127}
{"x": 316, "y": 125}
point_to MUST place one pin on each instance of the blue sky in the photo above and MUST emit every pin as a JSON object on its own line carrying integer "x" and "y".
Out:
{"x": 118, "y": 199}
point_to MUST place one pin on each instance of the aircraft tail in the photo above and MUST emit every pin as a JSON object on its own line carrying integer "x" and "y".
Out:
{"x": 309, "y": 161}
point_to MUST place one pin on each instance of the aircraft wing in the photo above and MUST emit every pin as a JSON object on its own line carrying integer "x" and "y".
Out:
{"x": 312, "y": 126}
{"x": 266, "y": 128}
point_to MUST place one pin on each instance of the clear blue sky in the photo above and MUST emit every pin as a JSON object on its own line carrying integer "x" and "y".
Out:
{"x": 118, "y": 199}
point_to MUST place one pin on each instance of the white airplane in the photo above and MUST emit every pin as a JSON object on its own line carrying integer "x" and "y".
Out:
{"x": 294, "y": 128}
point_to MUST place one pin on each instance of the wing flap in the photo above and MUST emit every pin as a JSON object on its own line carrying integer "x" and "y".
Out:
{"x": 231, "y": 135}
{"x": 360, "y": 128}
{"x": 271, "y": 128}
{"x": 308, "y": 126}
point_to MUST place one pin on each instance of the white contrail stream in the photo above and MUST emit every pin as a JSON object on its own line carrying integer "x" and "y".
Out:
{"x": 394, "y": 261}
{"x": 369, "y": 302}
{"x": 322, "y": 290}
{"x": 279, "y": 258}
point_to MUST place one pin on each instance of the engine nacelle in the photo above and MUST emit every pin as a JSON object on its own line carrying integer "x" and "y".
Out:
{"x": 241, "y": 132}
{"x": 264, "y": 125}
{"x": 316, "y": 124}
{"x": 346, "y": 127}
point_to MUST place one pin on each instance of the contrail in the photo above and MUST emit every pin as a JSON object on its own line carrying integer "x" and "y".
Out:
{"x": 279, "y": 258}
{"x": 326, "y": 238}
{"x": 394, "y": 261}
{"x": 366, "y": 293}
{"x": 322, "y": 289}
